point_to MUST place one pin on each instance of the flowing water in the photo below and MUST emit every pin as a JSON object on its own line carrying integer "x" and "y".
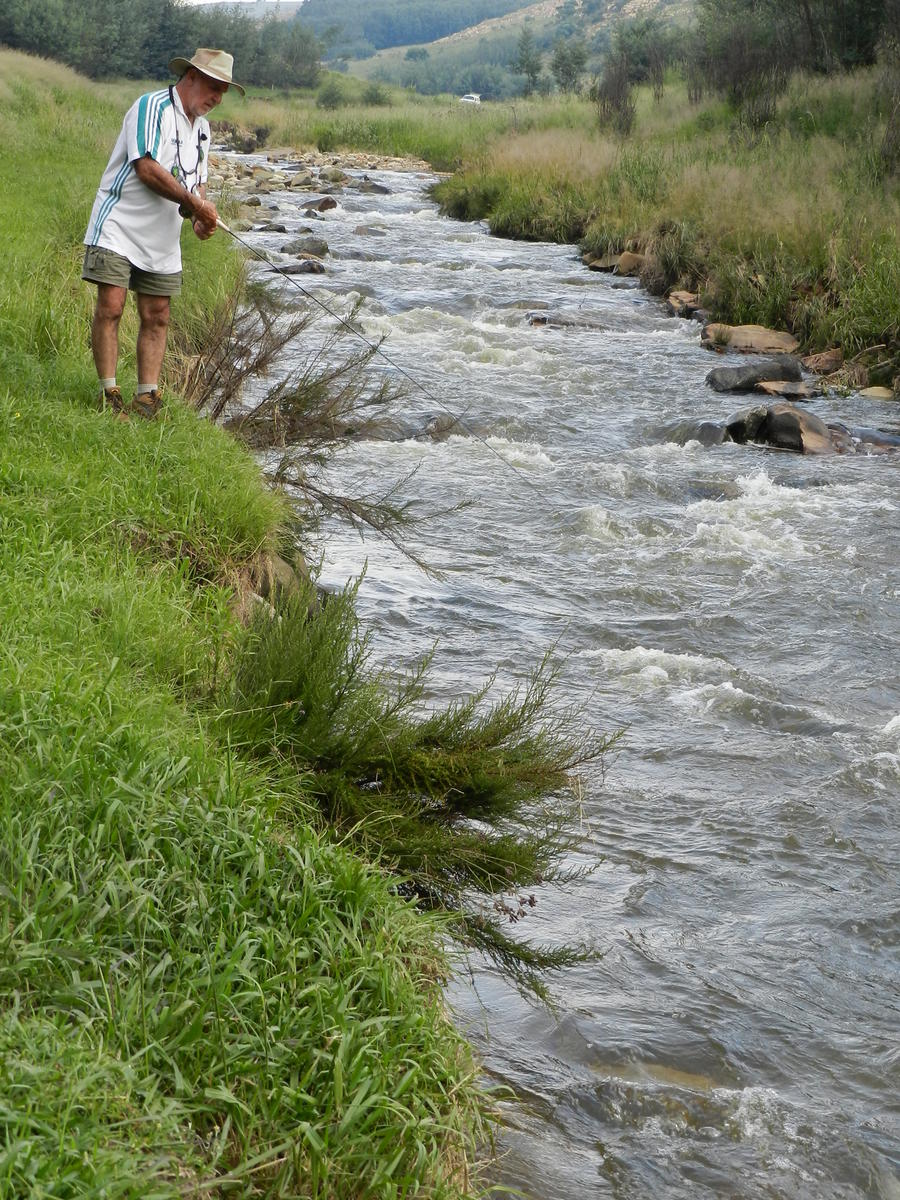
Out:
{"x": 737, "y": 611}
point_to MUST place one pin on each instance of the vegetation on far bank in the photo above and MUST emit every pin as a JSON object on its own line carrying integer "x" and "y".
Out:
{"x": 794, "y": 225}
{"x": 208, "y": 986}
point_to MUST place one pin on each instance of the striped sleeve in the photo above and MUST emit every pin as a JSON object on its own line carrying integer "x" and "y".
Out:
{"x": 143, "y": 125}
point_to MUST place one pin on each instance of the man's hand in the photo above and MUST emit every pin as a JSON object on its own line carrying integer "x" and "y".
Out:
{"x": 205, "y": 218}
{"x": 202, "y": 229}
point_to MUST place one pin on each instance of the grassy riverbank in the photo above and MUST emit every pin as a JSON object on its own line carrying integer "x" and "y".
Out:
{"x": 204, "y": 994}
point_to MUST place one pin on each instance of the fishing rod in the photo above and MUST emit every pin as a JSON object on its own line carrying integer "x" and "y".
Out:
{"x": 376, "y": 349}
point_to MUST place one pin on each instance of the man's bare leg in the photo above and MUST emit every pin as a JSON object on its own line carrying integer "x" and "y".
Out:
{"x": 153, "y": 312}
{"x": 105, "y": 328}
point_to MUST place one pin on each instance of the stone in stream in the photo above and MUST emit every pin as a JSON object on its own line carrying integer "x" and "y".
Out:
{"x": 783, "y": 426}
{"x": 318, "y": 247}
{"x": 682, "y": 304}
{"x": 745, "y": 378}
{"x": 370, "y": 231}
{"x": 599, "y": 262}
{"x": 371, "y": 187}
{"x": 307, "y": 266}
{"x": 316, "y": 206}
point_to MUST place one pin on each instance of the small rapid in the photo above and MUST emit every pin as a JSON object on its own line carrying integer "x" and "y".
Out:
{"x": 737, "y": 612}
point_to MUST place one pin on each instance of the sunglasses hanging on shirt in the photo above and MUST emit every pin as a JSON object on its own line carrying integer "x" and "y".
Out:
{"x": 178, "y": 168}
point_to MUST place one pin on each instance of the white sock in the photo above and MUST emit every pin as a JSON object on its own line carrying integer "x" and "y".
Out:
{"x": 143, "y": 389}
{"x": 106, "y": 384}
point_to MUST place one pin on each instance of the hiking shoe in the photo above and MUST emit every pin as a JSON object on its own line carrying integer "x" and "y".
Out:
{"x": 147, "y": 404}
{"x": 110, "y": 399}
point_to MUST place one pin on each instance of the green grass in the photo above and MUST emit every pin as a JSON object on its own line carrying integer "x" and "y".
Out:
{"x": 231, "y": 856}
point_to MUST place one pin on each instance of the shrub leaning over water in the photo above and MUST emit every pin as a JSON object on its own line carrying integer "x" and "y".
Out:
{"x": 465, "y": 801}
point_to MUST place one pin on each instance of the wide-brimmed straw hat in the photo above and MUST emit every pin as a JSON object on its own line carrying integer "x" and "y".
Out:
{"x": 214, "y": 63}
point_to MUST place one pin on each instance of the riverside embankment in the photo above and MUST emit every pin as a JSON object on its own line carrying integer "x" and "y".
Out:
{"x": 204, "y": 991}
{"x": 736, "y": 610}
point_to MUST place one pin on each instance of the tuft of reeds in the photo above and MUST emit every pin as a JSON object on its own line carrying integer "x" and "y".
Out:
{"x": 476, "y": 799}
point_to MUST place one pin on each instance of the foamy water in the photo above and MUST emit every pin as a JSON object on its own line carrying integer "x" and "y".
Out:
{"x": 738, "y": 612}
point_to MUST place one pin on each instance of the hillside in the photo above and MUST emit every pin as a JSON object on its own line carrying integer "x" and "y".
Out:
{"x": 479, "y": 57}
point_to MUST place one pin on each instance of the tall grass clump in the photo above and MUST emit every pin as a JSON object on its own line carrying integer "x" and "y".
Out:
{"x": 463, "y": 803}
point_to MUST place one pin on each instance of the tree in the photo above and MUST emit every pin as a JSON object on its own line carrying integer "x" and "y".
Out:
{"x": 528, "y": 61}
{"x": 567, "y": 63}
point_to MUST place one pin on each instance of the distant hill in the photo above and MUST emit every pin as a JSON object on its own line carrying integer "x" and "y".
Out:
{"x": 259, "y": 10}
{"x": 357, "y": 28}
{"x": 478, "y": 57}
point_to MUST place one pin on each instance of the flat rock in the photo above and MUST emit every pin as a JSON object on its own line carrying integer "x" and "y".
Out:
{"x": 749, "y": 339}
{"x": 600, "y": 262}
{"x": 788, "y": 389}
{"x": 878, "y": 393}
{"x": 682, "y": 304}
{"x": 370, "y": 231}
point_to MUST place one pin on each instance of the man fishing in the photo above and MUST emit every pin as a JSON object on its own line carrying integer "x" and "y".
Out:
{"x": 156, "y": 176}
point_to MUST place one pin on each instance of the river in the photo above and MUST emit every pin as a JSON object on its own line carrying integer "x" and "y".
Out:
{"x": 737, "y": 612}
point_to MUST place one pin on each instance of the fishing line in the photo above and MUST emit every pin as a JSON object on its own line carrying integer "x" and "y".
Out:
{"x": 376, "y": 349}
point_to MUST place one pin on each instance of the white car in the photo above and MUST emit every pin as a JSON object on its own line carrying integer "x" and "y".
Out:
{"x": 470, "y": 98}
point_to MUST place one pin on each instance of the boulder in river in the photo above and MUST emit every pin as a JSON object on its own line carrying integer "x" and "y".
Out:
{"x": 599, "y": 262}
{"x": 306, "y": 245}
{"x": 783, "y": 426}
{"x": 370, "y": 187}
{"x": 306, "y": 266}
{"x": 321, "y": 205}
{"x": 878, "y": 393}
{"x": 745, "y": 378}
{"x": 748, "y": 339}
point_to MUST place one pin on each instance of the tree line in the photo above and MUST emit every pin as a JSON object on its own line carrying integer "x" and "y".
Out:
{"x": 135, "y": 38}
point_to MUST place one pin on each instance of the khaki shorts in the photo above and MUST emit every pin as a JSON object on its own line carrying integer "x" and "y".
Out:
{"x": 105, "y": 266}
